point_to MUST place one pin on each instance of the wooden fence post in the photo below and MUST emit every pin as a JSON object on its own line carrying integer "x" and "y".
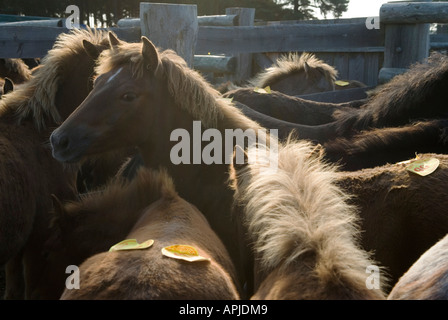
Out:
{"x": 404, "y": 44}
{"x": 246, "y": 17}
{"x": 171, "y": 26}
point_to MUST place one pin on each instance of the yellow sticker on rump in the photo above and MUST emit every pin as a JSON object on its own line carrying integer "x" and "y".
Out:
{"x": 131, "y": 244}
{"x": 341, "y": 83}
{"x": 424, "y": 167}
{"x": 183, "y": 252}
{"x": 265, "y": 90}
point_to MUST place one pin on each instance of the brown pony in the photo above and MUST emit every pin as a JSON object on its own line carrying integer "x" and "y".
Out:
{"x": 139, "y": 98}
{"x": 147, "y": 274}
{"x": 417, "y": 94}
{"x": 15, "y": 69}
{"x": 427, "y": 279}
{"x": 29, "y": 172}
{"x": 293, "y": 75}
{"x": 377, "y": 147}
{"x": 402, "y": 214}
{"x": 305, "y": 234}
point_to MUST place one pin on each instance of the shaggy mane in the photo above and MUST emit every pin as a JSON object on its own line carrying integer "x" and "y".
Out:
{"x": 188, "y": 88}
{"x": 299, "y": 210}
{"x": 292, "y": 63}
{"x": 147, "y": 186}
{"x": 402, "y": 98}
{"x": 36, "y": 97}
{"x": 18, "y": 66}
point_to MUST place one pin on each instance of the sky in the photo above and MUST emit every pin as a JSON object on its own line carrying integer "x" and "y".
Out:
{"x": 362, "y": 8}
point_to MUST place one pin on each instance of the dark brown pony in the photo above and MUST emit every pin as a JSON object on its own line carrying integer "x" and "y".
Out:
{"x": 15, "y": 69}
{"x": 139, "y": 98}
{"x": 293, "y": 74}
{"x": 417, "y": 94}
{"x": 304, "y": 233}
{"x": 427, "y": 278}
{"x": 291, "y": 109}
{"x": 402, "y": 214}
{"x": 377, "y": 147}
{"x": 146, "y": 208}
{"x": 29, "y": 173}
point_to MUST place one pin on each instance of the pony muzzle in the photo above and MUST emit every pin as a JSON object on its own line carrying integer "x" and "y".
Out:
{"x": 67, "y": 147}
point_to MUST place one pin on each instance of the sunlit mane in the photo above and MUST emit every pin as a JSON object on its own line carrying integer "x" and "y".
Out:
{"x": 293, "y": 63}
{"x": 298, "y": 210}
{"x": 188, "y": 88}
{"x": 36, "y": 98}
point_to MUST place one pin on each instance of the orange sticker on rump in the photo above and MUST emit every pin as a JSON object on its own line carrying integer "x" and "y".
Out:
{"x": 183, "y": 252}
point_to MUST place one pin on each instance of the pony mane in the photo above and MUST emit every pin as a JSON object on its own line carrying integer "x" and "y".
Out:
{"x": 36, "y": 97}
{"x": 18, "y": 66}
{"x": 292, "y": 63}
{"x": 403, "y": 96}
{"x": 298, "y": 210}
{"x": 188, "y": 88}
{"x": 147, "y": 186}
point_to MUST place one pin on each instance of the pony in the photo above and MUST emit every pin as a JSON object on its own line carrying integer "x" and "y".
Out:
{"x": 146, "y": 274}
{"x": 402, "y": 214}
{"x": 304, "y": 233}
{"x": 379, "y": 146}
{"x": 15, "y": 69}
{"x": 415, "y": 95}
{"x": 293, "y": 74}
{"x": 29, "y": 173}
{"x": 291, "y": 109}
{"x": 140, "y": 97}
{"x": 427, "y": 278}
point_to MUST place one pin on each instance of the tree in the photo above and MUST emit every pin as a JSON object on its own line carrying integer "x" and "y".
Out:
{"x": 106, "y": 13}
{"x": 304, "y": 9}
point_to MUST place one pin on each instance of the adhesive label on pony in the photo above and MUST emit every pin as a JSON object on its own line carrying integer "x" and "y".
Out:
{"x": 131, "y": 244}
{"x": 341, "y": 83}
{"x": 183, "y": 252}
{"x": 265, "y": 90}
{"x": 424, "y": 167}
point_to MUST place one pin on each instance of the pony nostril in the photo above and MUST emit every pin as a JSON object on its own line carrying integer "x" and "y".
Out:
{"x": 63, "y": 143}
{"x": 59, "y": 142}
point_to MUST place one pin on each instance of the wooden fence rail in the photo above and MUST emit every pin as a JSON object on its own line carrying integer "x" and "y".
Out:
{"x": 231, "y": 44}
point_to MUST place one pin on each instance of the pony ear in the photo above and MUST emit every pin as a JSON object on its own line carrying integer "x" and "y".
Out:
{"x": 8, "y": 86}
{"x": 150, "y": 55}
{"x": 91, "y": 50}
{"x": 113, "y": 40}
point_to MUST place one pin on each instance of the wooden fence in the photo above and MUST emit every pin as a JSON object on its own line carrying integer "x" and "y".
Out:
{"x": 233, "y": 46}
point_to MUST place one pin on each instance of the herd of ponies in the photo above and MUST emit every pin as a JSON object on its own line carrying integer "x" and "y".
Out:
{"x": 85, "y": 164}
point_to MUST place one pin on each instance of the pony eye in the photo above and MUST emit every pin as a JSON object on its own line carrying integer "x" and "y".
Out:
{"x": 129, "y": 96}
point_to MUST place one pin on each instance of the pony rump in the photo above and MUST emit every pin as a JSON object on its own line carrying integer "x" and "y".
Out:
{"x": 188, "y": 88}
{"x": 36, "y": 97}
{"x": 292, "y": 63}
{"x": 297, "y": 212}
